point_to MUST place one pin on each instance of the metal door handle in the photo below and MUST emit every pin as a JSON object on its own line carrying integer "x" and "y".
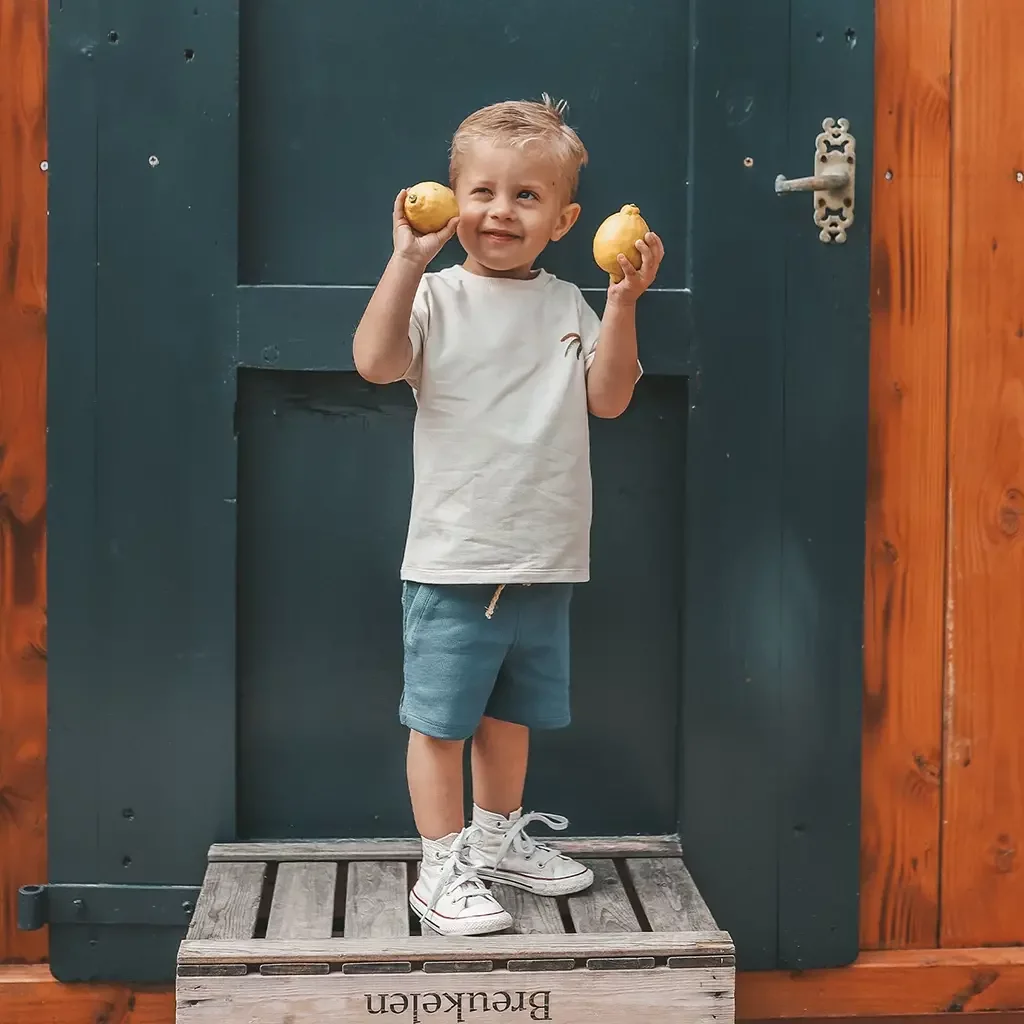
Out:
{"x": 833, "y": 182}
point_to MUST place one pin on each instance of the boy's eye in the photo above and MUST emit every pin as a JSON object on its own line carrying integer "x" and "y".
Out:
{"x": 481, "y": 191}
{"x": 527, "y": 194}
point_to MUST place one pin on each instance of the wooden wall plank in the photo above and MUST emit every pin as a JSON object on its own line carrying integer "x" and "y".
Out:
{"x": 22, "y": 466}
{"x": 905, "y": 563}
{"x": 983, "y": 838}
{"x": 1005, "y": 1017}
{"x": 898, "y": 983}
{"x": 30, "y": 995}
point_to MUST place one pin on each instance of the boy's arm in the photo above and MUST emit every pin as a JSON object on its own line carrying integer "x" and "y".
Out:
{"x": 613, "y": 373}
{"x": 381, "y": 348}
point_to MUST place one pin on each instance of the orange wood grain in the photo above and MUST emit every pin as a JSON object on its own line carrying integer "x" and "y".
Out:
{"x": 22, "y": 465}
{"x": 890, "y": 983}
{"x": 30, "y": 995}
{"x": 1001, "y": 1017}
{"x": 906, "y": 514}
{"x": 983, "y": 838}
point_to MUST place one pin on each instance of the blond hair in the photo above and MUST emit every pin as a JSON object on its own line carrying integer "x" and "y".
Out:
{"x": 522, "y": 124}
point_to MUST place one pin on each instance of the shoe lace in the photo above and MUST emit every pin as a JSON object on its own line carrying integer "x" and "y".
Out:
{"x": 517, "y": 839}
{"x": 459, "y": 879}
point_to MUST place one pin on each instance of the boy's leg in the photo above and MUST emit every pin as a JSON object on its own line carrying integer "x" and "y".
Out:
{"x": 532, "y": 692}
{"x": 499, "y": 755}
{"x": 434, "y": 771}
{"x": 452, "y": 656}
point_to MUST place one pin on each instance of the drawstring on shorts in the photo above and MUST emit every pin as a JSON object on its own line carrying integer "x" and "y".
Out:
{"x": 494, "y": 601}
{"x": 495, "y": 597}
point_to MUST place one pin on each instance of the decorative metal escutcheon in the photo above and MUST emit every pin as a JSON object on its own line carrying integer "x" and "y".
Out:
{"x": 833, "y": 181}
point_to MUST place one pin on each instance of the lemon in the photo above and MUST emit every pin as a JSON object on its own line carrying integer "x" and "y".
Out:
{"x": 619, "y": 233}
{"x": 429, "y": 206}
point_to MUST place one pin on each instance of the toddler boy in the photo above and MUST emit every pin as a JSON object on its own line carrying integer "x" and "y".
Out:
{"x": 505, "y": 361}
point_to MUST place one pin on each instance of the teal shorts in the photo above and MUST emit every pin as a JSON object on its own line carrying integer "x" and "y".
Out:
{"x": 461, "y": 665}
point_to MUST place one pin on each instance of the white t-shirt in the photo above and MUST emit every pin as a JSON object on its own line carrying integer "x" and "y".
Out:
{"x": 501, "y": 445}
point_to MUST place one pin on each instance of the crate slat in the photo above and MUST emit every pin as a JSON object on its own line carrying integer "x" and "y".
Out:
{"x": 604, "y": 907}
{"x": 228, "y": 901}
{"x": 376, "y": 900}
{"x": 409, "y": 849}
{"x": 568, "y": 997}
{"x": 436, "y": 947}
{"x": 669, "y": 897}
{"x": 303, "y": 903}
{"x": 532, "y": 915}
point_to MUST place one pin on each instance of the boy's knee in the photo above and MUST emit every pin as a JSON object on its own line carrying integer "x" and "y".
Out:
{"x": 499, "y": 728}
{"x": 438, "y": 744}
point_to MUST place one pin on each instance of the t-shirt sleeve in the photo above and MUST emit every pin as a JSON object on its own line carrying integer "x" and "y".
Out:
{"x": 590, "y": 330}
{"x": 419, "y": 324}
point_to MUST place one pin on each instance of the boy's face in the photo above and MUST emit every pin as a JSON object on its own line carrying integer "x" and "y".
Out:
{"x": 512, "y": 202}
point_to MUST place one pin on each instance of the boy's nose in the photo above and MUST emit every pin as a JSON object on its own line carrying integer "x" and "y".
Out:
{"x": 502, "y": 209}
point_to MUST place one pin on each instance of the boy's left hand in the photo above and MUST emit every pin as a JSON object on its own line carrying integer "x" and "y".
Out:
{"x": 636, "y": 282}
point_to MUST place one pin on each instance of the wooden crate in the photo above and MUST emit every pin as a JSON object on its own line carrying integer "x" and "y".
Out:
{"x": 321, "y": 933}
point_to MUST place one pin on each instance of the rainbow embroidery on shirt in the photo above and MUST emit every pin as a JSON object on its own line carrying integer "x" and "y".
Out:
{"x": 572, "y": 339}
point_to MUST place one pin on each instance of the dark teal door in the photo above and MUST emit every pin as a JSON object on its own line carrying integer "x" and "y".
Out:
{"x": 325, "y": 460}
{"x": 229, "y": 498}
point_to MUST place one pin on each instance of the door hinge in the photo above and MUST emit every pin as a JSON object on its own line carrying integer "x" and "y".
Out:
{"x": 64, "y": 903}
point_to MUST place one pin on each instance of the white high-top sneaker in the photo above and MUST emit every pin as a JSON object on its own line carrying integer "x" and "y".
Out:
{"x": 449, "y": 895}
{"x": 501, "y": 851}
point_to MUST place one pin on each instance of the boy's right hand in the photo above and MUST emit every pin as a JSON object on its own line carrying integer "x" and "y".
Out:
{"x": 411, "y": 246}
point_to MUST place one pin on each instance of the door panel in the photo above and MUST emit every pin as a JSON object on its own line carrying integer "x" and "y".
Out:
{"x": 342, "y": 108}
{"x": 824, "y": 493}
{"x": 324, "y": 486}
{"x": 321, "y": 159}
{"x": 141, "y": 462}
{"x": 731, "y": 711}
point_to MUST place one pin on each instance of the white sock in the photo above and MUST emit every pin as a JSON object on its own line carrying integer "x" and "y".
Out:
{"x": 439, "y": 845}
{"x": 488, "y": 819}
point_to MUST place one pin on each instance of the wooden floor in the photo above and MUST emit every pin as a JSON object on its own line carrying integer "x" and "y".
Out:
{"x": 323, "y": 932}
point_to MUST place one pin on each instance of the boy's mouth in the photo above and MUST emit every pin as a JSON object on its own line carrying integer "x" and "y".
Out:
{"x": 500, "y": 236}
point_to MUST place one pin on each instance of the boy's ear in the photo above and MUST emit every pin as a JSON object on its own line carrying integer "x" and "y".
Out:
{"x": 566, "y": 219}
